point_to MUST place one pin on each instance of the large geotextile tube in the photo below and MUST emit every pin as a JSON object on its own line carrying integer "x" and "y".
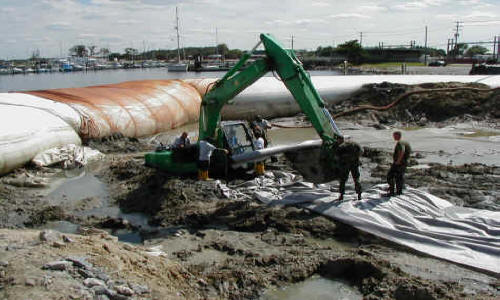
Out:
{"x": 134, "y": 108}
{"x": 31, "y": 122}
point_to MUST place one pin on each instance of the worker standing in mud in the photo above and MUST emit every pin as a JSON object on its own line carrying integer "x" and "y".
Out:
{"x": 182, "y": 141}
{"x": 206, "y": 150}
{"x": 396, "y": 173}
{"x": 260, "y": 126}
{"x": 348, "y": 155}
{"x": 259, "y": 145}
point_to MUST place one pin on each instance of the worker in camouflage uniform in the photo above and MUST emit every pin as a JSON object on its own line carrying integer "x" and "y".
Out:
{"x": 348, "y": 154}
{"x": 396, "y": 173}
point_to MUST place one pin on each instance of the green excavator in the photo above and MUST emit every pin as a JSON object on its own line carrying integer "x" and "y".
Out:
{"x": 236, "y": 136}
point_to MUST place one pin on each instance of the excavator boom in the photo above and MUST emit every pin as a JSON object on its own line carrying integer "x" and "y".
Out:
{"x": 291, "y": 72}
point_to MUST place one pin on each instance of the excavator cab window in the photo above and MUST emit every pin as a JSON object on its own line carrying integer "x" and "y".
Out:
{"x": 238, "y": 138}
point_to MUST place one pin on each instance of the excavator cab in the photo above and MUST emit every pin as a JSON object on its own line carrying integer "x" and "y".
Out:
{"x": 238, "y": 137}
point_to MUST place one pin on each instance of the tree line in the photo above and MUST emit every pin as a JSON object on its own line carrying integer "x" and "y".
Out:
{"x": 160, "y": 54}
{"x": 351, "y": 50}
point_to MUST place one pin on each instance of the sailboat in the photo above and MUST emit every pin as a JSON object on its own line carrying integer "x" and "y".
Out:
{"x": 179, "y": 66}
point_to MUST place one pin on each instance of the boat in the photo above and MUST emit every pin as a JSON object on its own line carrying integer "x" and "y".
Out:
{"x": 179, "y": 66}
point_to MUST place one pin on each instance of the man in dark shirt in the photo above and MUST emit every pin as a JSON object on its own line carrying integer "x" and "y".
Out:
{"x": 348, "y": 154}
{"x": 396, "y": 173}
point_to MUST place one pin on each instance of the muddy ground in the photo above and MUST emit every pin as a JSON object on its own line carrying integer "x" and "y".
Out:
{"x": 198, "y": 243}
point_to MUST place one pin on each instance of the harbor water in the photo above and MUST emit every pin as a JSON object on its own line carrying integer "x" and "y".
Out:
{"x": 29, "y": 82}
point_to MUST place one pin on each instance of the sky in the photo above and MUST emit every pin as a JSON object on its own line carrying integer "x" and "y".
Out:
{"x": 53, "y": 26}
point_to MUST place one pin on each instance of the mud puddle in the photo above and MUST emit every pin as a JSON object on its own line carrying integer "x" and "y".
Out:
{"x": 315, "y": 287}
{"x": 83, "y": 194}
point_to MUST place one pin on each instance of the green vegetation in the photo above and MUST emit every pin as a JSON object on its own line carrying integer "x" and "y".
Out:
{"x": 475, "y": 50}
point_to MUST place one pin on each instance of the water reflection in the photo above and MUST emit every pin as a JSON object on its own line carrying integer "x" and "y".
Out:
{"x": 315, "y": 288}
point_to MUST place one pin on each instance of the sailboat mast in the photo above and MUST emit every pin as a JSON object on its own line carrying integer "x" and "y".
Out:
{"x": 177, "y": 28}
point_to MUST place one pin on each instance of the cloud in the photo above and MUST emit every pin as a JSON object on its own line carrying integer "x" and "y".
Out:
{"x": 350, "y": 16}
{"x": 310, "y": 21}
{"x": 87, "y": 35}
{"x": 93, "y": 17}
{"x": 111, "y": 39}
{"x": 129, "y": 22}
{"x": 7, "y": 10}
{"x": 59, "y": 26}
{"x": 372, "y": 7}
{"x": 469, "y": 2}
{"x": 446, "y": 16}
{"x": 480, "y": 14}
{"x": 416, "y": 5}
{"x": 118, "y": 24}
{"x": 320, "y": 4}
{"x": 277, "y": 22}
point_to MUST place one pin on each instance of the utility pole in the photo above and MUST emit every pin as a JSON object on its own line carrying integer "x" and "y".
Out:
{"x": 361, "y": 39}
{"x": 498, "y": 47}
{"x": 495, "y": 47}
{"x": 216, "y": 41}
{"x": 292, "y": 42}
{"x": 177, "y": 30}
{"x": 457, "y": 34}
{"x": 425, "y": 45}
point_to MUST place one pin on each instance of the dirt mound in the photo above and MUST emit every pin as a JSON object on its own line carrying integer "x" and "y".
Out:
{"x": 119, "y": 143}
{"x": 434, "y": 106}
{"x": 48, "y": 265}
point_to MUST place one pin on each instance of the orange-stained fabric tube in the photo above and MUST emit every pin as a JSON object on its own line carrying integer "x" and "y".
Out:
{"x": 135, "y": 108}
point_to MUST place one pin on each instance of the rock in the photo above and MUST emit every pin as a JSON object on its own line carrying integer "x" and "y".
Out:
{"x": 101, "y": 275}
{"x": 106, "y": 247}
{"x": 67, "y": 239}
{"x": 30, "y": 282}
{"x": 86, "y": 273}
{"x": 91, "y": 282}
{"x": 47, "y": 281}
{"x": 101, "y": 297}
{"x": 124, "y": 290}
{"x": 49, "y": 236}
{"x": 58, "y": 244}
{"x": 4, "y": 263}
{"x": 140, "y": 289}
{"x": 79, "y": 262}
{"x": 59, "y": 265}
{"x": 101, "y": 290}
{"x": 202, "y": 282}
{"x": 128, "y": 247}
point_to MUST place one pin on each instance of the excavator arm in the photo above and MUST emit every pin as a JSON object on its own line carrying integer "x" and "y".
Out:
{"x": 295, "y": 78}
{"x": 293, "y": 75}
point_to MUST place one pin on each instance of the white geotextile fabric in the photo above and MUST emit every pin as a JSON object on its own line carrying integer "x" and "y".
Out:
{"x": 70, "y": 156}
{"x": 269, "y": 97}
{"x": 26, "y": 131}
{"x": 58, "y": 109}
{"x": 416, "y": 219}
